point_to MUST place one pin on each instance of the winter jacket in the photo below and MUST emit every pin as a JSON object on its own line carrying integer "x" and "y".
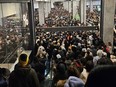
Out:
{"x": 3, "y": 82}
{"x": 74, "y": 82}
{"x": 23, "y": 77}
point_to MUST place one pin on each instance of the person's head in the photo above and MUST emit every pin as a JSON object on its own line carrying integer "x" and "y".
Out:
{"x": 79, "y": 65}
{"x": 109, "y": 43}
{"x": 41, "y": 52}
{"x": 72, "y": 71}
{"x": 61, "y": 68}
{"x": 102, "y": 76}
{"x": 5, "y": 73}
{"x": 104, "y": 61}
{"x": 89, "y": 66}
{"x": 23, "y": 60}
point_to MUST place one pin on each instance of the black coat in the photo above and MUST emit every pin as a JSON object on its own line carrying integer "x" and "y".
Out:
{"x": 23, "y": 77}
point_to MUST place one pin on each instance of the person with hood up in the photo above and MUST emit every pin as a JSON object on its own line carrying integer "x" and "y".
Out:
{"x": 23, "y": 75}
{"x": 74, "y": 82}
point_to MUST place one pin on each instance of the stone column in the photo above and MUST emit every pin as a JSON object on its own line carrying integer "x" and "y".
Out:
{"x": 1, "y": 14}
{"x": 83, "y": 11}
{"x": 47, "y": 8}
{"x": 108, "y": 9}
{"x": 74, "y": 8}
{"x": 52, "y": 1}
{"x": 91, "y": 5}
{"x": 65, "y": 4}
{"x": 41, "y": 12}
{"x": 75, "y": 5}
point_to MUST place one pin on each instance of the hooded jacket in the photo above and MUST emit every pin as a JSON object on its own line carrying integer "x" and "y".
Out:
{"x": 23, "y": 77}
{"x": 74, "y": 82}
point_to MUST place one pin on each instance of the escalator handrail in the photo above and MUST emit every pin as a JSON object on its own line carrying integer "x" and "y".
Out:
{"x": 11, "y": 54}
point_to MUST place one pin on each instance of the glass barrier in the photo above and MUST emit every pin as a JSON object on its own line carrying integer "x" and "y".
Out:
{"x": 13, "y": 30}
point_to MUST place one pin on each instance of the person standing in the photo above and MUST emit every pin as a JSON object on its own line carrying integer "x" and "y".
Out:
{"x": 23, "y": 75}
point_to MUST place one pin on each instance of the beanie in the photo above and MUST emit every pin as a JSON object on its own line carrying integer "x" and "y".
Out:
{"x": 23, "y": 59}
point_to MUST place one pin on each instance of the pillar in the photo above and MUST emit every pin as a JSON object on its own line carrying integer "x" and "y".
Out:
{"x": 52, "y": 1}
{"x": 41, "y": 12}
{"x": 108, "y": 9}
{"x": 1, "y": 14}
{"x": 75, "y": 9}
{"x": 31, "y": 25}
{"x": 91, "y": 5}
{"x": 69, "y": 6}
{"x": 47, "y": 8}
{"x": 83, "y": 11}
{"x": 65, "y": 4}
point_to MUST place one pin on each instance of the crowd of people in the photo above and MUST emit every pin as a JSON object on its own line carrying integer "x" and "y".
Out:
{"x": 93, "y": 18}
{"x": 76, "y": 59}
{"x": 71, "y": 56}
{"x": 59, "y": 17}
{"x": 10, "y": 39}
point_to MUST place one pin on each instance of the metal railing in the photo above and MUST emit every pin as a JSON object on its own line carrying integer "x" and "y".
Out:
{"x": 11, "y": 55}
{"x": 69, "y": 28}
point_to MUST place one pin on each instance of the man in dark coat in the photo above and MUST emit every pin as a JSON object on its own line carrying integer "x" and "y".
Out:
{"x": 23, "y": 75}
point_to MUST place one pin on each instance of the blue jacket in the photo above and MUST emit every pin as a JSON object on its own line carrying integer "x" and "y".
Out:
{"x": 74, "y": 82}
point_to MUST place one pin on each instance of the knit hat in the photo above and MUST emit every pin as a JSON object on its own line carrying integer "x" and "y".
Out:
{"x": 23, "y": 59}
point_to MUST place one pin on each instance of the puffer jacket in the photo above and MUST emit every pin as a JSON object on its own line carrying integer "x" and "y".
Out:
{"x": 74, "y": 82}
